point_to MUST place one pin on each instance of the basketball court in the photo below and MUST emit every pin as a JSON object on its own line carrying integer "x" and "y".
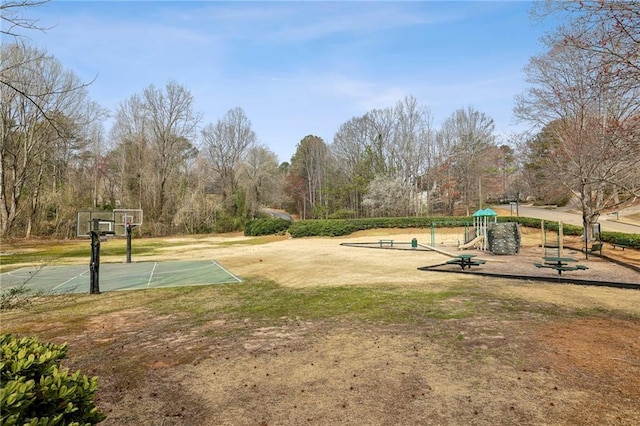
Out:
{"x": 93, "y": 278}
{"x": 118, "y": 276}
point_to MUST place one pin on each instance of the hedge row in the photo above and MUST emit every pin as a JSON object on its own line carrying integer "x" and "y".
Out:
{"x": 266, "y": 226}
{"x": 629, "y": 240}
{"x": 339, "y": 227}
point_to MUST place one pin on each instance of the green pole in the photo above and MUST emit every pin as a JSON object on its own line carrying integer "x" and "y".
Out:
{"x": 433, "y": 234}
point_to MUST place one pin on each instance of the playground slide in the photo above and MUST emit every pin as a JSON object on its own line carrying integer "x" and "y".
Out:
{"x": 477, "y": 240}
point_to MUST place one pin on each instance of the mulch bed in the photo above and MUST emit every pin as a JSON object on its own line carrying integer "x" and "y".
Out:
{"x": 601, "y": 270}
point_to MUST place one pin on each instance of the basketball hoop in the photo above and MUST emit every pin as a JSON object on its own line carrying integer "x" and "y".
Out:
{"x": 100, "y": 224}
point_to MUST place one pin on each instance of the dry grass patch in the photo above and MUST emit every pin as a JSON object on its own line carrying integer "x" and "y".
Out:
{"x": 325, "y": 334}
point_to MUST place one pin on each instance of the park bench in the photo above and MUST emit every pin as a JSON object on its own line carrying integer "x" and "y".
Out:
{"x": 389, "y": 242}
{"x": 622, "y": 246}
{"x": 596, "y": 247}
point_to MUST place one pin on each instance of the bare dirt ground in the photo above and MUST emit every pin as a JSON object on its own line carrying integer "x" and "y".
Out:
{"x": 535, "y": 354}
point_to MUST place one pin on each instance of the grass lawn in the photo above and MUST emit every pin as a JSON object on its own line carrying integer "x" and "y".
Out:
{"x": 415, "y": 349}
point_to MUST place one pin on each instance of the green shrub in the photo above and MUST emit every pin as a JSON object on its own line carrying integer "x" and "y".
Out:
{"x": 343, "y": 214}
{"x": 527, "y": 222}
{"x": 339, "y": 227}
{"x": 225, "y": 223}
{"x": 34, "y": 390}
{"x": 266, "y": 226}
{"x": 327, "y": 228}
{"x": 537, "y": 224}
{"x": 629, "y": 240}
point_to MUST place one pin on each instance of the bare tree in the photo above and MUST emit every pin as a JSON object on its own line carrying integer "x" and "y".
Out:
{"x": 354, "y": 151}
{"x": 226, "y": 145}
{"x": 153, "y": 134}
{"x": 469, "y": 139}
{"x": 13, "y": 20}
{"x": 591, "y": 126}
{"x": 13, "y": 23}
{"x": 172, "y": 124}
{"x": 132, "y": 172}
{"x": 310, "y": 163}
{"x": 609, "y": 30}
{"x": 261, "y": 179}
{"x": 38, "y": 132}
{"x": 389, "y": 142}
{"x": 411, "y": 148}
{"x": 381, "y": 128}
{"x": 444, "y": 193}
{"x": 74, "y": 180}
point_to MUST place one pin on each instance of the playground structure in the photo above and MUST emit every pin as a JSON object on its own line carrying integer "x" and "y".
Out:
{"x": 481, "y": 220}
{"x": 489, "y": 235}
{"x": 475, "y": 236}
{"x": 477, "y": 241}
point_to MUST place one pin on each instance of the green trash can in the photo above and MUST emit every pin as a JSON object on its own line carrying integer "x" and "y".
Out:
{"x": 414, "y": 243}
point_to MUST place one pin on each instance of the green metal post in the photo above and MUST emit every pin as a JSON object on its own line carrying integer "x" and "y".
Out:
{"x": 433, "y": 234}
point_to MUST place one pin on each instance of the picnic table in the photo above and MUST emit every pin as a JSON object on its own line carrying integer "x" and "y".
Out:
{"x": 560, "y": 264}
{"x": 465, "y": 261}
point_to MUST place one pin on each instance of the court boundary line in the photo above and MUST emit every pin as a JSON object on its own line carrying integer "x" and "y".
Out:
{"x": 174, "y": 271}
{"x": 70, "y": 279}
{"x": 20, "y": 277}
{"x": 226, "y": 270}
{"x": 151, "y": 274}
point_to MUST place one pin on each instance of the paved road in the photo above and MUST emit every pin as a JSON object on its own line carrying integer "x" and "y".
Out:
{"x": 278, "y": 214}
{"x": 569, "y": 217}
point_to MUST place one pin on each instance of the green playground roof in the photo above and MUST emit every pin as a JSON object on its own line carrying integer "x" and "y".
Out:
{"x": 485, "y": 212}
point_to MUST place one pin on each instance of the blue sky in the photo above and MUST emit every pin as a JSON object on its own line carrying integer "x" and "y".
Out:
{"x": 300, "y": 67}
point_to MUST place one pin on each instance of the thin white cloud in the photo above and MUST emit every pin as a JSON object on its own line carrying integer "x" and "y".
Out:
{"x": 361, "y": 19}
{"x": 342, "y": 21}
{"x": 296, "y": 67}
{"x": 130, "y": 53}
{"x": 297, "y": 22}
{"x": 360, "y": 95}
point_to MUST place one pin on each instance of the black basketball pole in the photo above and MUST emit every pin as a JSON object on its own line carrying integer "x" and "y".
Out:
{"x": 94, "y": 267}
{"x": 128, "y": 228}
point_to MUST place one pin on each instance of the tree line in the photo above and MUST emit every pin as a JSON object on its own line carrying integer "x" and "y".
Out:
{"x": 195, "y": 177}
{"x": 583, "y": 99}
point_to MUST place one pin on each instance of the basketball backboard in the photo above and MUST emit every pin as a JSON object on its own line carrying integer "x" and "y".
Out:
{"x": 86, "y": 220}
{"x": 122, "y": 217}
{"x": 113, "y": 222}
